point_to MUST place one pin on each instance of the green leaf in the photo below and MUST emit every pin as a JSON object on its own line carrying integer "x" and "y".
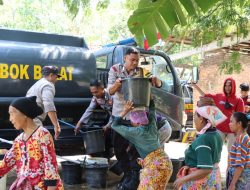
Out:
{"x": 179, "y": 12}
{"x": 144, "y": 3}
{"x": 1, "y": 2}
{"x": 150, "y": 31}
{"x": 139, "y": 36}
{"x": 189, "y": 6}
{"x": 169, "y": 15}
{"x": 205, "y": 4}
{"x": 159, "y": 16}
{"x": 102, "y": 4}
{"x": 161, "y": 25}
{"x": 242, "y": 2}
{"x": 73, "y": 6}
{"x": 153, "y": 17}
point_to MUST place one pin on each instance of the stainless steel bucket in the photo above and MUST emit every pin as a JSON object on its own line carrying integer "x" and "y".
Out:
{"x": 137, "y": 90}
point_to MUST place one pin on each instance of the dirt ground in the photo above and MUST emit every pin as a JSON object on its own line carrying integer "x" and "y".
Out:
{"x": 112, "y": 181}
{"x": 173, "y": 149}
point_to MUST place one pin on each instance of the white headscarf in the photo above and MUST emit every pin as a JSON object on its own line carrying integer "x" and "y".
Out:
{"x": 212, "y": 114}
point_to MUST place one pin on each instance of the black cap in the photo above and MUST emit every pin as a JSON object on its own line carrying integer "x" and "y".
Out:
{"x": 244, "y": 86}
{"x": 28, "y": 106}
{"x": 50, "y": 69}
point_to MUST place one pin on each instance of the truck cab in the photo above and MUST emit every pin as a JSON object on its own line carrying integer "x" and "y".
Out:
{"x": 168, "y": 99}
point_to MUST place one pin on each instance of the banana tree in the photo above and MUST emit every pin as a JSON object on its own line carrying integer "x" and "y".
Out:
{"x": 160, "y": 16}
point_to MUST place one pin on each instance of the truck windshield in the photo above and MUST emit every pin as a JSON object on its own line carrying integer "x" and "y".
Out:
{"x": 157, "y": 66}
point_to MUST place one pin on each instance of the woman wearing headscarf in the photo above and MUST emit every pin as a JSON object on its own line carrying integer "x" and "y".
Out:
{"x": 156, "y": 165}
{"x": 201, "y": 169}
{"x": 32, "y": 153}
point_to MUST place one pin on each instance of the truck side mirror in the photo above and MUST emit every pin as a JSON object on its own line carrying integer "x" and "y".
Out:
{"x": 195, "y": 74}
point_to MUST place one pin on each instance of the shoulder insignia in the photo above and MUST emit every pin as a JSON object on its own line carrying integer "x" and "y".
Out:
{"x": 114, "y": 68}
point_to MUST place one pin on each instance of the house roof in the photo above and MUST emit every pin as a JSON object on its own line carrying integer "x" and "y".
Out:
{"x": 242, "y": 47}
{"x": 229, "y": 43}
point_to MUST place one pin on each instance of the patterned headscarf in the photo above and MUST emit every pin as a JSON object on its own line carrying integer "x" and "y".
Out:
{"x": 212, "y": 114}
{"x": 139, "y": 117}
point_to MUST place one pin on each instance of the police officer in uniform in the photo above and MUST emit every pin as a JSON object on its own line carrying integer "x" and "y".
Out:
{"x": 125, "y": 153}
{"x": 102, "y": 99}
{"x": 44, "y": 90}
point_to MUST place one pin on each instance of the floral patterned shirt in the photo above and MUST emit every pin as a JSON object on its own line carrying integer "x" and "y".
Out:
{"x": 34, "y": 160}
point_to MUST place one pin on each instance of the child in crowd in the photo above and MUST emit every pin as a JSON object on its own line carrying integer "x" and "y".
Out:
{"x": 238, "y": 176}
{"x": 201, "y": 170}
{"x": 244, "y": 89}
{"x": 143, "y": 133}
{"x": 32, "y": 153}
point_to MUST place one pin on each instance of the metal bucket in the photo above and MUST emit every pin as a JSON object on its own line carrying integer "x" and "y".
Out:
{"x": 137, "y": 90}
{"x": 94, "y": 141}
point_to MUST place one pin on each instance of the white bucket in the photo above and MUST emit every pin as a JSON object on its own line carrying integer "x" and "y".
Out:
{"x": 97, "y": 160}
{"x": 3, "y": 182}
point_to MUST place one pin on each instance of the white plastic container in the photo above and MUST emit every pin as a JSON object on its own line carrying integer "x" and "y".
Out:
{"x": 3, "y": 182}
{"x": 96, "y": 160}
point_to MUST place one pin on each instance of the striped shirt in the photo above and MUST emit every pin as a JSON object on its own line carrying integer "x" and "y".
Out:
{"x": 240, "y": 152}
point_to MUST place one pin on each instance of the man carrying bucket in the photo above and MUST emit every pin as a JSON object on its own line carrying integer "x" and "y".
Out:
{"x": 101, "y": 98}
{"x": 125, "y": 153}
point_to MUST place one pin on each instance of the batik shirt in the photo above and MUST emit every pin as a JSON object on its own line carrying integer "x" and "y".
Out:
{"x": 34, "y": 160}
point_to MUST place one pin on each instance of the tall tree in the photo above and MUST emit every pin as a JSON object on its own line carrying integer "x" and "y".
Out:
{"x": 164, "y": 16}
{"x": 97, "y": 23}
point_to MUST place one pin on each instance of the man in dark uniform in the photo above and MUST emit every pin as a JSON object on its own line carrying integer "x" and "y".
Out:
{"x": 125, "y": 153}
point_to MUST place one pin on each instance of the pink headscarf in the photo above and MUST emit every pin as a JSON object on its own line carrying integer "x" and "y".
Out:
{"x": 139, "y": 117}
{"x": 212, "y": 114}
